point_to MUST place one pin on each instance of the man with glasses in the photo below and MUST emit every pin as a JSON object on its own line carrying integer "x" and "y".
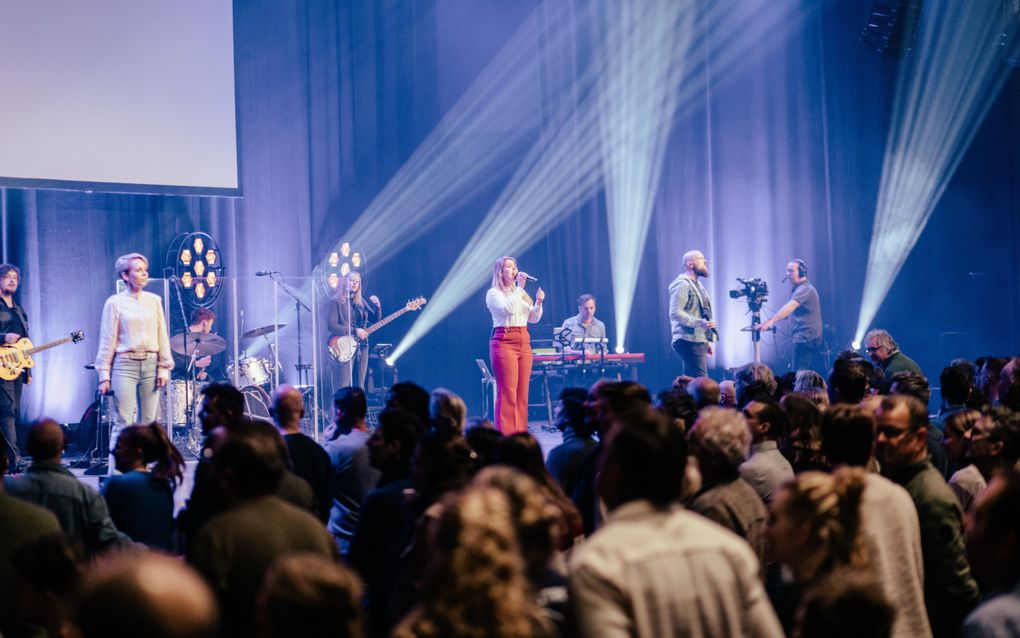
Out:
{"x": 885, "y": 352}
{"x": 902, "y": 448}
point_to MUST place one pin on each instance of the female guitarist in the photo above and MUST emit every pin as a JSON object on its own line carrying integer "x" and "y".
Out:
{"x": 349, "y": 315}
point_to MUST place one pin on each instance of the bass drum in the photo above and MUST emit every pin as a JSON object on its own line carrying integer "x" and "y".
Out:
{"x": 256, "y": 403}
{"x": 182, "y": 396}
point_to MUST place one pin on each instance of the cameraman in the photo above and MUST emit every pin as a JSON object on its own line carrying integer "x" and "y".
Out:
{"x": 690, "y": 315}
{"x": 806, "y": 322}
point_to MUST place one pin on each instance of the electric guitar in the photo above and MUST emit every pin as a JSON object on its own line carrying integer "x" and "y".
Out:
{"x": 18, "y": 356}
{"x": 342, "y": 347}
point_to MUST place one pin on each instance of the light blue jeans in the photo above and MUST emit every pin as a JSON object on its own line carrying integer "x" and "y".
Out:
{"x": 133, "y": 384}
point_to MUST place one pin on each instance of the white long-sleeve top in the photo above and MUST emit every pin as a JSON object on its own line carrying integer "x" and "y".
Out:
{"x": 510, "y": 309}
{"x": 133, "y": 324}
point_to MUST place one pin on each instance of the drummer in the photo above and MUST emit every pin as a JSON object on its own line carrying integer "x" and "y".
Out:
{"x": 202, "y": 320}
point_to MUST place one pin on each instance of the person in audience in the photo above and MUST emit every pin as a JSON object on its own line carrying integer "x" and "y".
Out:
{"x": 655, "y": 568}
{"x": 890, "y": 531}
{"x": 902, "y": 448}
{"x": 784, "y": 385}
{"x": 222, "y": 411}
{"x": 766, "y": 467}
{"x": 993, "y": 546}
{"x": 522, "y": 452}
{"x": 484, "y": 442}
{"x": 1009, "y": 384}
{"x": 804, "y": 442}
{"x": 814, "y": 530}
{"x": 727, "y": 394}
{"x": 678, "y": 406}
{"x": 447, "y": 410}
{"x": 845, "y": 606}
{"x": 994, "y": 444}
{"x": 353, "y": 474}
{"x": 48, "y": 574}
{"x": 20, "y": 523}
{"x": 955, "y": 384}
{"x": 987, "y": 380}
{"x": 146, "y": 594}
{"x": 966, "y": 479}
{"x": 719, "y": 441}
{"x": 410, "y": 396}
{"x": 307, "y": 458}
{"x": 564, "y": 460}
{"x": 607, "y": 402}
{"x": 308, "y": 596}
{"x": 537, "y": 527}
{"x": 915, "y": 385}
{"x": 141, "y": 500}
{"x": 754, "y": 382}
{"x": 442, "y": 464}
{"x": 808, "y": 380}
{"x": 704, "y": 391}
{"x": 81, "y": 510}
{"x": 380, "y": 535}
{"x": 235, "y": 549}
{"x": 848, "y": 381}
{"x": 885, "y": 352}
{"x": 474, "y": 583}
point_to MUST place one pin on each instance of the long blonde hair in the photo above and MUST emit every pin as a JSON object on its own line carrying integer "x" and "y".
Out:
{"x": 830, "y": 505}
{"x": 475, "y": 584}
{"x": 347, "y": 286}
{"x": 497, "y": 277}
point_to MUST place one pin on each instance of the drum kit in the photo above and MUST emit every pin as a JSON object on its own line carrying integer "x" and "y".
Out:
{"x": 254, "y": 378}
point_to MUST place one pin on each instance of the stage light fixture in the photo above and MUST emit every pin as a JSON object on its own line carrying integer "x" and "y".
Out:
{"x": 891, "y": 26}
{"x": 197, "y": 263}
{"x": 943, "y": 93}
{"x": 340, "y": 261}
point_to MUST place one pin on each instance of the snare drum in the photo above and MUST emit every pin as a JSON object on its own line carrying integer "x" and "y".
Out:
{"x": 255, "y": 371}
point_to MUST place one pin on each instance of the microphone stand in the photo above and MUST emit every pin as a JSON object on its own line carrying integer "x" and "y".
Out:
{"x": 302, "y": 370}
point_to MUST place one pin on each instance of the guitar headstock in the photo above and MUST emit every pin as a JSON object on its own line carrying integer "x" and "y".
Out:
{"x": 77, "y": 335}
{"x": 415, "y": 304}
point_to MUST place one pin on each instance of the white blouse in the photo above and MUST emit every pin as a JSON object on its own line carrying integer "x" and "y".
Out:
{"x": 133, "y": 324}
{"x": 510, "y": 309}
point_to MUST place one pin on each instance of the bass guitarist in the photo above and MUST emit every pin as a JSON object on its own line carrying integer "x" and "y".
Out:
{"x": 13, "y": 326}
{"x": 350, "y": 315}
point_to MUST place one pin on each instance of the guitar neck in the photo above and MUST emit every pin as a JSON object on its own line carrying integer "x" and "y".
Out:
{"x": 382, "y": 322}
{"x": 47, "y": 346}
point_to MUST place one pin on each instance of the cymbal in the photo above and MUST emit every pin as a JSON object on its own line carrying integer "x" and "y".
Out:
{"x": 199, "y": 344}
{"x": 264, "y": 330}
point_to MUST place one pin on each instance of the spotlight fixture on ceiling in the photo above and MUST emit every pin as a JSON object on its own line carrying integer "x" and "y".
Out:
{"x": 891, "y": 26}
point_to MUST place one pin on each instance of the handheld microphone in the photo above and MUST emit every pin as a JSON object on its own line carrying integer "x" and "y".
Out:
{"x": 530, "y": 278}
{"x": 265, "y": 273}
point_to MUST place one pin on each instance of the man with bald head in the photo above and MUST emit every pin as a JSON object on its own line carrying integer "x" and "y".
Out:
{"x": 81, "y": 511}
{"x": 146, "y": 594}
{"x": 704, "y": 391}
{"x": 690, "y": 315}
{"x": 307, "y": 458}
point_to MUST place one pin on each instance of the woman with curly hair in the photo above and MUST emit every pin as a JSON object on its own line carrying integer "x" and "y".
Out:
{"x": 141, "y": 500}
{"x": 475, "y": 584}
{"x": 814, "y": 529}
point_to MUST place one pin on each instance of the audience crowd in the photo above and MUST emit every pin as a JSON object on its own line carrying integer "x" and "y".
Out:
{"x": 801, "y": 505}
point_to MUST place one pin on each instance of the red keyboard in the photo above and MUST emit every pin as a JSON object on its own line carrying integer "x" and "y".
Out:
{"x": 594, "y": 359}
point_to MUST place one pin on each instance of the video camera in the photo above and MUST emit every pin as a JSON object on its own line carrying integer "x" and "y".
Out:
{"x": 756, "y": 291}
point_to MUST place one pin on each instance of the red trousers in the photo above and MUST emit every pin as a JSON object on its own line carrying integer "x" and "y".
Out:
{"x": 510, "y": 356}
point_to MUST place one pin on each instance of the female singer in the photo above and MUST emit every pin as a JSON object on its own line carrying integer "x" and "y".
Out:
{"x": 510, "y": 346}
{"x": 134, "y": 356}
{"x": 349, "y": 316}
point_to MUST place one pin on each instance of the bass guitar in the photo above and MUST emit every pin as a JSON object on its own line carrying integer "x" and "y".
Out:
{"x": 18, "y": 356}
{"x": 342, "y": 347}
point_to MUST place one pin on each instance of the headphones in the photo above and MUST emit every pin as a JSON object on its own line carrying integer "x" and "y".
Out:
{"x": 801, "y": 268}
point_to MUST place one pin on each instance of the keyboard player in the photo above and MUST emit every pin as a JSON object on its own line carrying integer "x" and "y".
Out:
{"x": 582, "y": 330}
